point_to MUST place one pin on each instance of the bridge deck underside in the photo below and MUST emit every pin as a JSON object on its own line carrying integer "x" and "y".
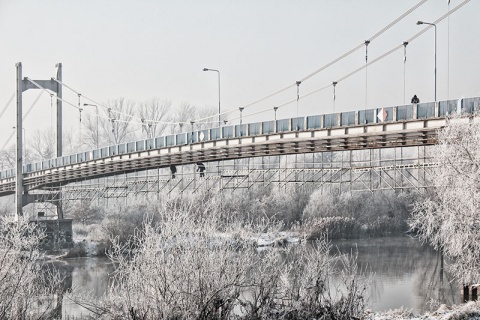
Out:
{"x": 341, "y": 172}
{"x": 125, "y": 164}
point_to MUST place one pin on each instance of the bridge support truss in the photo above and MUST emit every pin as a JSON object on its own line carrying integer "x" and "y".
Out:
{"x": 368, "y": 170}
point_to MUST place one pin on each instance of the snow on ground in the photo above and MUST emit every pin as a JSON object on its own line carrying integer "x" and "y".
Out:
{"x": 467, "y": 311}
{"x": 276, "y": 238}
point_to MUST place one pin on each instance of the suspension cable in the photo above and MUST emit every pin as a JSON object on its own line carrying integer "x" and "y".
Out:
{"x": 23, "y": 118}
{"x": 108, "y": 109}
{"x": 270, "y": 95}
{"x": 8, "y": 103}
{"x": 415, "y": 36}
{"x": 376, "y": 35}
{"x": 383, "y": 30}
{"x": 428, "y": 27}
{"x": 285, "y": 103}
{"x": 394, "y": 22}
{"x": 132, "y": 116}
{"x": 324, "y": 67}
{"x": 91, "y": 100}
{"x": 378, "y": 58}
{"x": 76, "y": 107}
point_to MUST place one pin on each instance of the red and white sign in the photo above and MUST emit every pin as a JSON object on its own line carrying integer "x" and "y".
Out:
{"x": 382, "y": 115}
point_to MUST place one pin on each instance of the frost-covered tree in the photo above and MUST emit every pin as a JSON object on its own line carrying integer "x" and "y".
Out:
{"x": 154, "y": 115}
{"x": 7, "y": 158}
{"x": 208, "y": 118}
{"x": 43, "y": 144}
{"x": 116, "y": 125}
{"x": 26, "y": 286}
{"x": 87, "y": 213}
{"x": 449, "y": 218}
{"x": 91, "y": 132}
{"x": 183, "y": 114}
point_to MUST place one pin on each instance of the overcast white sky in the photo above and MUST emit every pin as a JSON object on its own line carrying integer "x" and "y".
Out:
{"x": 154, "y": 48}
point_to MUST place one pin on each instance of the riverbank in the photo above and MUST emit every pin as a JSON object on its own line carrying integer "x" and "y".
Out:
{"x": 467, "y": 311}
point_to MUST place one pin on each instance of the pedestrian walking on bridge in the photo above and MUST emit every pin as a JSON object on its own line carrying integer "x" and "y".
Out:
{"x": 415, "y": 99}
{"x": 173, "y": 170}
{"x": 201, "y": 169}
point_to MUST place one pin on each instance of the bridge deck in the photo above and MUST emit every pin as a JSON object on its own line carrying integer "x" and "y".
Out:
{"x": 371, "y": 136}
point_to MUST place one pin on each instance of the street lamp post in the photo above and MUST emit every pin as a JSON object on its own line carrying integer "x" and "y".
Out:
{"x": 207, "y": 69}
{"x": 435, "y": 53}
{"x": 96, "y": 110}
{"x": 334, "y": 83}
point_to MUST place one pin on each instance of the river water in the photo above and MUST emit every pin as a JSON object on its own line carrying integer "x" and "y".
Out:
{"x": 405, "y": 272}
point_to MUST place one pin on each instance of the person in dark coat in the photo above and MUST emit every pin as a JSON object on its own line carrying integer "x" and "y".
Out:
{"x": 415, "y": 99}
{"x": 173, "y": 170}
{"x": 201, "y": 169}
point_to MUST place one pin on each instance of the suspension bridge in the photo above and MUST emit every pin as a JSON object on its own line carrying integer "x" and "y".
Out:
{"x": 278, "y": 152}
{"x": 362, "y": 150}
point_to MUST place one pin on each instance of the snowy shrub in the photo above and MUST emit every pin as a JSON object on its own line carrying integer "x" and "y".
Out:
{"x": 79, "y": 230}
{"x": 77, "y": 251}
{"x": 245, "y": 205}
{"x": 373, "y": 214}
{"x": 189, "y": 266}
{"x": 122, "y": 222}
{"x": 285, "y": 204}
{"x": 288, "y": 206}
{"x": 26, "y": 287}
{"x": 6, "y": 207}
{"x": 93, "y": 232}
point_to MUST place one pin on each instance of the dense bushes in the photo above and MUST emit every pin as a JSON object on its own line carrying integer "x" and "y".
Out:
{"x": 358, "y": 213}
{"x": 190, "y": 257}
{"x": 86, "y": 213}
{"x": 355, "y": 214}
{"x": 314, "y": 213}
{"x": 269, "y": 202}
{"x": 331, "y": 228}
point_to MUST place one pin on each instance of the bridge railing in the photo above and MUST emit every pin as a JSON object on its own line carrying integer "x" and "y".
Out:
{"x": 315, "y": 122}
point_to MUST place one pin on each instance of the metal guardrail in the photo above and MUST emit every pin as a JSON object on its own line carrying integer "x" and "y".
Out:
{"x": 428, "y": 110}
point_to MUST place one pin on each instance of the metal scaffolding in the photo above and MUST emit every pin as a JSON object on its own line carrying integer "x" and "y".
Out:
{"x": 367, "y": 170}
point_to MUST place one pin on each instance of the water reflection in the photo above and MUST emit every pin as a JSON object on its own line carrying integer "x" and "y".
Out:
{"x": 406, "y": 273}
{"x": 86, "y": 275}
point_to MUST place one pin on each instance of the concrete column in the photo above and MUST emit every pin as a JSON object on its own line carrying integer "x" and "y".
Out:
{"x": 19, "y": 150}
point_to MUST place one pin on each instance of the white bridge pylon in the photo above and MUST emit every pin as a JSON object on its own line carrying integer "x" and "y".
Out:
{"x": 24, "y": 84}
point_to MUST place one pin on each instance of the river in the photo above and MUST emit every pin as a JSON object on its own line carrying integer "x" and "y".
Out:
{"x": 405, "y": 272}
